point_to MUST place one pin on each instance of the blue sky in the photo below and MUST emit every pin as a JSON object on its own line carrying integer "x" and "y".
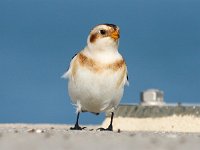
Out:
{"x": 160, "y": 40}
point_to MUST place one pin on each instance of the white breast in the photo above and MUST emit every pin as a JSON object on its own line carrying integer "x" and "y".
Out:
{"x": 95, "y": 92}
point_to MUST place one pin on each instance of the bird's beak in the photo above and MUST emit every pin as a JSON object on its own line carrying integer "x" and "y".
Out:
{"x": 115, "y": 34}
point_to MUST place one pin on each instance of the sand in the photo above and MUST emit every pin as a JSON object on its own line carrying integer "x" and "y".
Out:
{"x": 59, "y": 137}
{"x": 184, "y": 124}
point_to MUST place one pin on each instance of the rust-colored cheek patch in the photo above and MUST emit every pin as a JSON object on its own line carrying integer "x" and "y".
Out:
{"x": 93, "y": 38}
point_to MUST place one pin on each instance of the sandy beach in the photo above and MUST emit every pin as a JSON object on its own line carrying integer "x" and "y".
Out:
{"x": 59, "y": 137}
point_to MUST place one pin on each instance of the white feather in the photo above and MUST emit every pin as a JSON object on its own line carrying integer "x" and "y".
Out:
{"x": 93, "y": 91}
{"x": 65, "y": 75}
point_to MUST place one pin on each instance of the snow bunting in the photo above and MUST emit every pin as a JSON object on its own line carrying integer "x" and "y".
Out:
{"x": 97, "y": 74}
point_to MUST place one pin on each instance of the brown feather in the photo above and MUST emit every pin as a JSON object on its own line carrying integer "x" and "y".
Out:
{"x": 93, "y": 37}
{"x": 97, "y": 66}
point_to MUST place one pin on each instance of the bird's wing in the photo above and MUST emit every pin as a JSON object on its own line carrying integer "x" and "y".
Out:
{"x": 66, "y": 74}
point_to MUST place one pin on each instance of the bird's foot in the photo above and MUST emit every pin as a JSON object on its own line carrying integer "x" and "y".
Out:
{"x": 77, "y": 127}
{"x": 110, "y": 128}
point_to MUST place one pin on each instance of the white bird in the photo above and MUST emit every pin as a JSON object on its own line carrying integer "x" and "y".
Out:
{"x": 97, "y": 74}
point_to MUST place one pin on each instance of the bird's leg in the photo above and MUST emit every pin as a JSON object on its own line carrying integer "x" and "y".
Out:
{"x": 76, "y": 126}
{"x": 110, "y": 127}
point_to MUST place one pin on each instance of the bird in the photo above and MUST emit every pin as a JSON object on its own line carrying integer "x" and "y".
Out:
{"x": 98, "y": 74}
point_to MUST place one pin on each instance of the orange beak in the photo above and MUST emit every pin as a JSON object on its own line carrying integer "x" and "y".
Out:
{"x": 115, "y": 34}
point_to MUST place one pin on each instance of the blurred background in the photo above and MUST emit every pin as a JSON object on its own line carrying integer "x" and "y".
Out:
{"x": 160, "y": 40}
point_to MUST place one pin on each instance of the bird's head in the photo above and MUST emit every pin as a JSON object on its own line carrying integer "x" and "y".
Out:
{"x": 104, "y": 37}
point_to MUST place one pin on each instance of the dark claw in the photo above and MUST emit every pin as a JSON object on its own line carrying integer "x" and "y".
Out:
{"x": 110, "y": 128}
{"x": 77, "y": 127}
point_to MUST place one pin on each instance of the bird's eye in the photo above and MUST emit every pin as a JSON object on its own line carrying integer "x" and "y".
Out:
{"x": 102, "y": 32}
